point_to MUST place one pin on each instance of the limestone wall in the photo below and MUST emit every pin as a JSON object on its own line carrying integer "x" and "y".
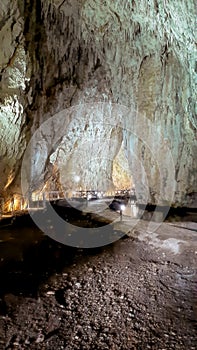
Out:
{"x": 138, "y": 54}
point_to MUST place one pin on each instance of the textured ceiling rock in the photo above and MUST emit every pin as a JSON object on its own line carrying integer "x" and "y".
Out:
{"x": 140, "y": 54}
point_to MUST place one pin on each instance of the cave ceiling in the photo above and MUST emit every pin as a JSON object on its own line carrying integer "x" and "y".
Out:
{"x": 121, "y": 78}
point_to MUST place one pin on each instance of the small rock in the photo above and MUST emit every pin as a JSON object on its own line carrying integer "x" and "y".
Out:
{"x": 50, "y": 292}
{"x": 40, "y": 338}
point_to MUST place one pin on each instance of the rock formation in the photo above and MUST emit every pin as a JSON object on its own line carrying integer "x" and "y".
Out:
{"x": 139, "y": 55}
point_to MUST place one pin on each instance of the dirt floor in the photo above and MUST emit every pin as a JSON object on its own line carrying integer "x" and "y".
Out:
{"x": 136, "y": 294}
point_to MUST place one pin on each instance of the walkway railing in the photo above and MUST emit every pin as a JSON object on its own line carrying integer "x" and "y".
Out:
{"x": 34, "y": 201}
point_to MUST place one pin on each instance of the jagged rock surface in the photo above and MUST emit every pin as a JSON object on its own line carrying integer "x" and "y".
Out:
{"x": 57, "y": 54}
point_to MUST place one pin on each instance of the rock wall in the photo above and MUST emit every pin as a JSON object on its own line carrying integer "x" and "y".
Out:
{"x": 138, "y": 54}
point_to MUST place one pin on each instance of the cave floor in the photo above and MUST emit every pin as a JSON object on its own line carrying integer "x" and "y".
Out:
{"x": 138, "y": 293}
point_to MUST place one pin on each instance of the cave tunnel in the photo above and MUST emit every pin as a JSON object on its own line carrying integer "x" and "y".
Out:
{"x": 98, "y": 189}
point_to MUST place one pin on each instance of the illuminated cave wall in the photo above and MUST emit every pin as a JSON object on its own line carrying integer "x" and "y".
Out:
{"x": 140, "y": 54}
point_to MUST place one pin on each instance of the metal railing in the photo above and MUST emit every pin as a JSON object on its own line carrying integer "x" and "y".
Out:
{"x": 37, "y": 201}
